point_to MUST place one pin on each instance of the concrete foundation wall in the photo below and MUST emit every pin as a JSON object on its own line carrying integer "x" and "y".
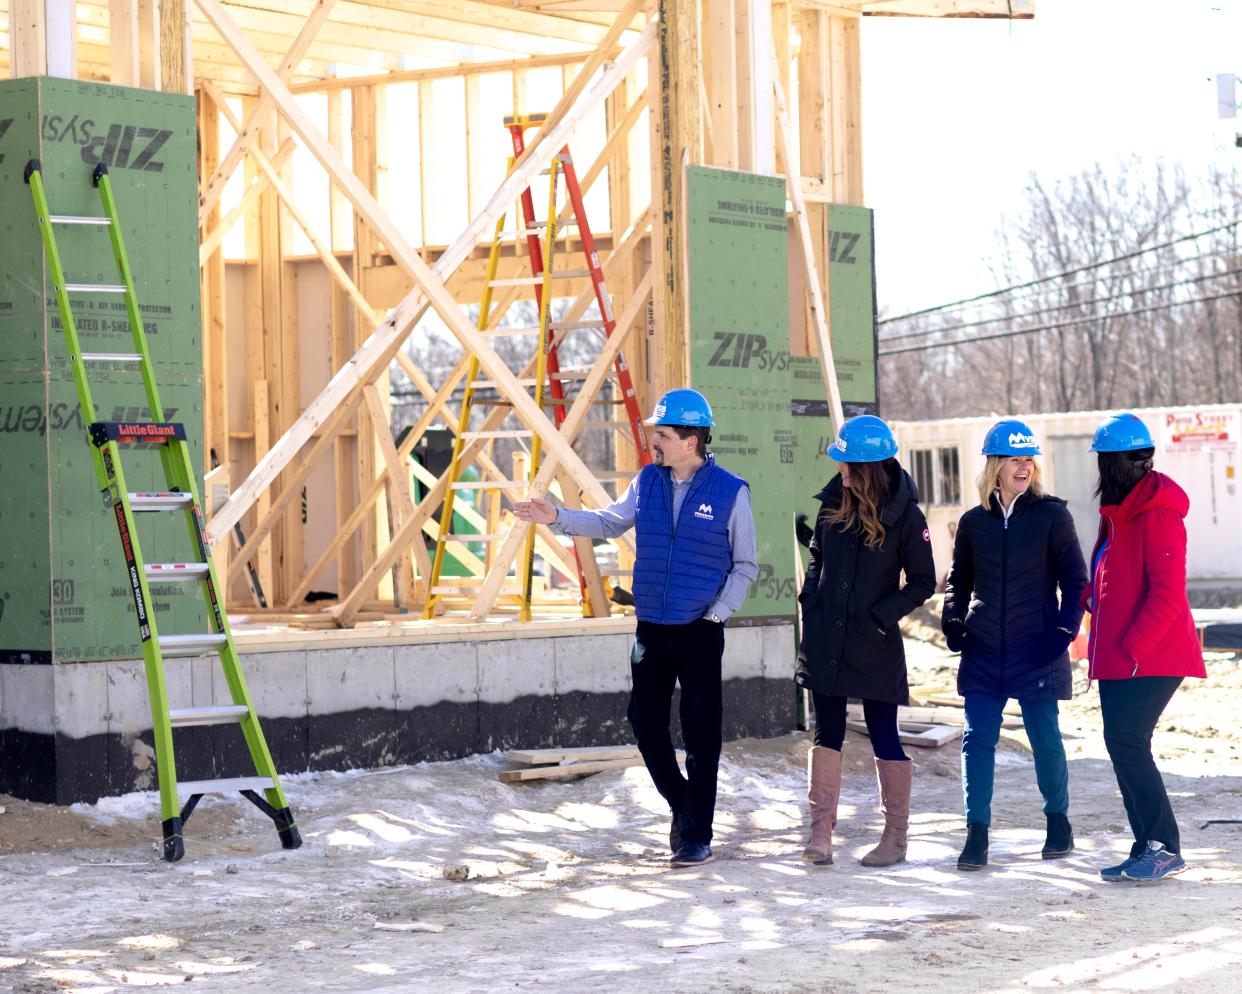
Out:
{"x": 79, "y": 731}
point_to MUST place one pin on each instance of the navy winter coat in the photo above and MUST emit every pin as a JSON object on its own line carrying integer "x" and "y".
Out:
{"x": 1001, "y": 607}
{"x": 853, "y": 597}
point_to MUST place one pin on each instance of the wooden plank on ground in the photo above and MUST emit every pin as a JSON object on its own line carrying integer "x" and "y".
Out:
{"x": 536, "y": 757}
{"x": 931, "y": 716}
{"x": 914, "y": 733}
{"x": 568, "y": 770}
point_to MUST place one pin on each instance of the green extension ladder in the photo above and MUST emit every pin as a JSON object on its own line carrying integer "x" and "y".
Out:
{"x": 105, "y": 440}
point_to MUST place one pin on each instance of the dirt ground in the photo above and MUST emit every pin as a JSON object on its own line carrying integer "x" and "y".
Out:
{"x": 567, "y": 887}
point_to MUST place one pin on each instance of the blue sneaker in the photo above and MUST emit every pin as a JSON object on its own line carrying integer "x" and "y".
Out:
{"x": 691, "y": 854}
{"x": 1155, "y": 864}
{"x": 1113, "y": 874}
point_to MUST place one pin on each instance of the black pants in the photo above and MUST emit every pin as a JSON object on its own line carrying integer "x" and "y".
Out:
{"x": 881, "y": 721}
{"x": 1130, "y": 709}
{"x": 663, "y": 656}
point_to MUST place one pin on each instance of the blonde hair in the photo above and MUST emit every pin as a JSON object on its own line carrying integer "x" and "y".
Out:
{"x": 859, "y": 509}
{"x": 989, "y": 479}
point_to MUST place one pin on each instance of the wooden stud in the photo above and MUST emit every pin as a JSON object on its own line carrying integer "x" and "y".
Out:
{"x": 676, "y": 141}
{"x": 398, "y": 481}
{"x": 262, "y": 442}
{"x": 176, "y": 62}
{"x": 213, "y": 284}
{"x": 719, "y": 43}
{"x": 123, "y": 47}
{"x": 819, "y": 311}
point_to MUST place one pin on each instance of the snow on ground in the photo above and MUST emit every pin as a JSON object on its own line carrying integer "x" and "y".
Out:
{"x": 567, "y": 887}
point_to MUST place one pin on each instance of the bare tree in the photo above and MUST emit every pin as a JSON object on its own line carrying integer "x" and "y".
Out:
{"x": 1116, "y": 288}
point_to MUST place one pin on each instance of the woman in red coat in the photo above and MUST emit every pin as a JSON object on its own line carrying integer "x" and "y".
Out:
{"x": 1143, "y": 641}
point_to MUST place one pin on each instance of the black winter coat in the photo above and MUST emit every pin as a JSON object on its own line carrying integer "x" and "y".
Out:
{"x": 853, "y": 598}
{"x": 1000, "y": 605}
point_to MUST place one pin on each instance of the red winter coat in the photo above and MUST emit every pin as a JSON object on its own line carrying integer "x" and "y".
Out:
{"x": 1140, "y": 617}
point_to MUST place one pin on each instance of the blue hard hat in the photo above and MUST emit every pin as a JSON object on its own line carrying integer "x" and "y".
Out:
{"x": 684, "y": 407}
{"x": 1122, "y": 433}
{"x": 1011, "y": 437}
{"x": 865, "y": 438}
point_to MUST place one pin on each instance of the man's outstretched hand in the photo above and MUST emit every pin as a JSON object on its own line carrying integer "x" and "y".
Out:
{"x": 536, "y": 509}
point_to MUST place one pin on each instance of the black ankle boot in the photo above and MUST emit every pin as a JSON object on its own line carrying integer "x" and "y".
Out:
{"x": 975, "y": 853}
{"x": 1060, "y": 840}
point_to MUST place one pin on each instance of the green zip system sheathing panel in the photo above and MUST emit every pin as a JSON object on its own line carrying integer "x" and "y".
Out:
{"x": 62, "y": 598}
{"x": 771, "y": 408}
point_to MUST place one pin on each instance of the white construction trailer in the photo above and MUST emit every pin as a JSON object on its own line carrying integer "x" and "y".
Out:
{"x": 1200, "y": 447}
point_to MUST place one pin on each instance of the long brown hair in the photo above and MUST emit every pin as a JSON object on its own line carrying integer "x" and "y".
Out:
{"x": 859, "y": 510}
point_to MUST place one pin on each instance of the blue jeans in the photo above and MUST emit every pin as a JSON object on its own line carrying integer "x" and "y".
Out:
{"x": 982, "y": 732}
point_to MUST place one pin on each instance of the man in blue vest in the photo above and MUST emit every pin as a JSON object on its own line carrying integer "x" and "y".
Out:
{"x": 696, "y": 560}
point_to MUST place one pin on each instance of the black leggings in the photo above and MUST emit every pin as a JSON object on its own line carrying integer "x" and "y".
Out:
{"x": 881, "y": 721}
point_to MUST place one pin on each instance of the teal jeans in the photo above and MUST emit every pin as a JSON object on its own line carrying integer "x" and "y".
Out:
{"x": 982, "y": 732}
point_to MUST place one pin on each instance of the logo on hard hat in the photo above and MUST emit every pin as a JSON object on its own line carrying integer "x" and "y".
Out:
{"x": 660, "y": 409}
{"x": 841, "y": 441}
{"x": 1020, "y": 440}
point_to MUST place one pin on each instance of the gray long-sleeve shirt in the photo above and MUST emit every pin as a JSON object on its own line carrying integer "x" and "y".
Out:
{"x": 618, "y": 517}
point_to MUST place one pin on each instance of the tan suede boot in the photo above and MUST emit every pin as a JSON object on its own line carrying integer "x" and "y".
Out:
{"x": 894, "y": 776}
{"x": 823, "y": 790}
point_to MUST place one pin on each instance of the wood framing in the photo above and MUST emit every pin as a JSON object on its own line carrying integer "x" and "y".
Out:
{"x": 323, "y": 283}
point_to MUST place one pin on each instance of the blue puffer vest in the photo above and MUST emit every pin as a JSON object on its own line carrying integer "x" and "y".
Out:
{"x": 678, "y": 574}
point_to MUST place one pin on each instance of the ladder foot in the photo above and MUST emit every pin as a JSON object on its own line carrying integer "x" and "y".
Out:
{"x": 290, "y": 837}
{"x": 174, "y": 846}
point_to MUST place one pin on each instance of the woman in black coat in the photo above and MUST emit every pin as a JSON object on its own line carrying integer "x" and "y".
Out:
{"x": 1011, "y": 553}
{"x": 869, "y": 531}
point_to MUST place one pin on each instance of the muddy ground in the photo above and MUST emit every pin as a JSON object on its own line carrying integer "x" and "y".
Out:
{"x": 567, "y": 889}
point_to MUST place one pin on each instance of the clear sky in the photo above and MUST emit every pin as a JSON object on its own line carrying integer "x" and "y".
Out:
{"x": 956, "y": 113}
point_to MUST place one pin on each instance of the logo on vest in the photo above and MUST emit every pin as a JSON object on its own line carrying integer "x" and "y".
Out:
{"x": 1019, "y": 440}
{"x": 705, "y": 512}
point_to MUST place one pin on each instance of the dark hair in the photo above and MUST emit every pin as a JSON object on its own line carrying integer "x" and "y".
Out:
{"x": 1119, "y": 472}
{"x": 703, "y": 436}
{"x": 861, "y": 501}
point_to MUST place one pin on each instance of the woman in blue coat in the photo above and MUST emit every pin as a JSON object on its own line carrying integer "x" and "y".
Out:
{"x": 1012, "y": 554}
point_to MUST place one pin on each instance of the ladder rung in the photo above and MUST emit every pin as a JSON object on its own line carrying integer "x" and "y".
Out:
{"x": 94, "y": 287}
{"x": 493, "y": 385}
{"x": 566, "y": 401}
{"x": 576, "y": 325}
{"x": 473, "y": 538}
{"x": 225, "y": 786}
{"x": 556, "y": 274}
{"x": 110, "y": 357}
{"x": 462, "y": 590}
{"x": 218, "y": 714}
{"x": 191, "y": 645}
{"x": 536, "y": 228}
{"x": 515, "y": 433}
{"x": 493, "y": 485}
{"x": 176, "y": 571}
{"x": 522, "y": 330}
{"x": 160, "y": 501}
{"x": 79, "y": 219}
